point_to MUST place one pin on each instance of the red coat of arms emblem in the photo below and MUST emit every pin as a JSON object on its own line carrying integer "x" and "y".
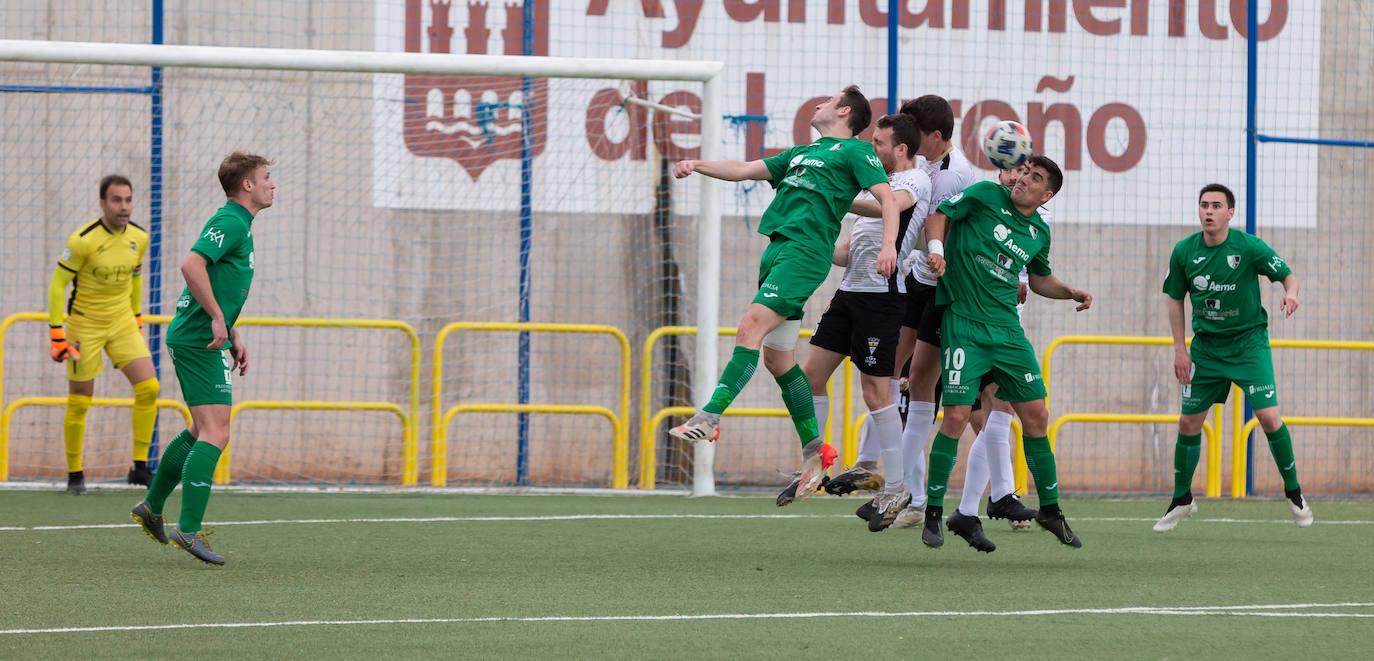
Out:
{"x": 474, "y": 120}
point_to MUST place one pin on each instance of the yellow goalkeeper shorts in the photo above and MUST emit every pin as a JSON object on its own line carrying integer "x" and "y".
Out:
{"x": 120, "y": 339}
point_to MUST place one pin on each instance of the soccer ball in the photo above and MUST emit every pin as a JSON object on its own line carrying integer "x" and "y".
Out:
{"x": 1007, "y": 145}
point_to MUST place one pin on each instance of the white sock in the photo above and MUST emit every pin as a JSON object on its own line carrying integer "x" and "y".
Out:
{"x": 896, "y": 386}
{"x": 821, "y": 403}
{"x": 869, "y": 449}
{"x": 975, "y": 476}
{"x": 920, "y": 419}
{"x": 998, "y": 451}
{"x": 887, "y": 434}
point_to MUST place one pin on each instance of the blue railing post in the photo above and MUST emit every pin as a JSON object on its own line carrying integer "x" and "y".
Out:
{"x": 522, "y": 457}
{"x": 155, "y": 218}
{"x": 1251, "y": 181}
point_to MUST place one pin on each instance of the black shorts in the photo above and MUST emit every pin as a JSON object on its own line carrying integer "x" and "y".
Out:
{"x": 864, "y": 326}
{"x": 987, "y": 380}
{"x": 921, "y": 312}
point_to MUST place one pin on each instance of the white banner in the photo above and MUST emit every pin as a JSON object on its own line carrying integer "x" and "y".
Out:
{"x": 1141, "y": 104}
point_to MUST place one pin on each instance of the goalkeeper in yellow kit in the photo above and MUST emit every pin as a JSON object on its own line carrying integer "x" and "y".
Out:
{"x": 103, "y": 262}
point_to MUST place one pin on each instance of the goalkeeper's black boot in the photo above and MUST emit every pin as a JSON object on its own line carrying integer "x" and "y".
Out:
{"x": 971, "y": 529}
{"x": 151, "y": 523}
{"x": 140, "y": 474}
{"x": 931, "y": 534}
{"x": 195, "y": 544}
{"x": 1052, "y": 519}
{"x": 76, "y": 483}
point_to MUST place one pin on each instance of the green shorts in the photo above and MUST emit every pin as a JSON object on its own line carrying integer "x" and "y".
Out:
{"x": 205, "y": 375}
{"x": 1220, "y": 361}
{"x": 971, "y": 349}
{"x": 789, "y": 272}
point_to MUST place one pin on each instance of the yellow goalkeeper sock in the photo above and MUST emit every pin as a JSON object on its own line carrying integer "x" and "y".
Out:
{"x": 74, "y": 429}
{"x": 144, "y": 416}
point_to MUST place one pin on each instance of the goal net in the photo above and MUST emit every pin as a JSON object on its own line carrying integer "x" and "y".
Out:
{"x": 427, "y": 204}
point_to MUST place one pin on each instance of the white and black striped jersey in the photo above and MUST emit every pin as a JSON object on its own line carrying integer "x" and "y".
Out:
{"x": 949, "y": 176}
{"x": 866, "y": 237}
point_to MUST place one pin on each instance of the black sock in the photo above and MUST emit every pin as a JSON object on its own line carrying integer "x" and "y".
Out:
{"x": 1294, "y": 496}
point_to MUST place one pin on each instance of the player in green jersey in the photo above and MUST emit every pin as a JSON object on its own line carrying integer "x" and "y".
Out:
{"x": 1219, "y": 270}
{"x": 815, "y": 185}
{"x": 206, "y": 349}
{"x": 994, "y": 232}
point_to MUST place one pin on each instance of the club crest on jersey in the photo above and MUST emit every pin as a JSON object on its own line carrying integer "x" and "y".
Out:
{"x": 1233, "y": 261}
{"x": 1032, "y": 231}
{"x": 473, "y": 120}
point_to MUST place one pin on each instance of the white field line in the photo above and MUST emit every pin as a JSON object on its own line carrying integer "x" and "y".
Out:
{"x": 592, "y": 517}
{"x": 1279, "y": 610}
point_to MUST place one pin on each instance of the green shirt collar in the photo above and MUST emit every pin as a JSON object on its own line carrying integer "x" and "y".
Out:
{"x": 238, "y": 210}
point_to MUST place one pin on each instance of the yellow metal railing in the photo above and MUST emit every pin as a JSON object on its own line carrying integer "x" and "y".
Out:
{"x": 410, "y": 442}
{"x": 410, "y": 472}
{"x": 62, "y": 401}
{"x": 222, "y": 467}
{"x": 620, "y": 457}
{"x": 649, "y": 421}
{"x": 1239, "y": 450}
{"x": 1212, "y": 432}
{"x": 1240, "y": 432}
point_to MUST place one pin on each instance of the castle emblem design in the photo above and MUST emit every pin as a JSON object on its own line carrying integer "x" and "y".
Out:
{"x": 473, "y": 120}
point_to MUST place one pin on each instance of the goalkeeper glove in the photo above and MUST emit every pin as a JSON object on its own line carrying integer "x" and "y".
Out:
{"x": 60, "y": 349}
{"x": 139, "y": 319}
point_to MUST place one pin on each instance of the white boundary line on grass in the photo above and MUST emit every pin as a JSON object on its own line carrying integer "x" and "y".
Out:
{"x": 592, "y": 517}
{"x": 1267, "y": 610}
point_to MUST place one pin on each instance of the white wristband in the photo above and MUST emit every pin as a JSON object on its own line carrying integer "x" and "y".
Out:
{"x": 935, "y": 247}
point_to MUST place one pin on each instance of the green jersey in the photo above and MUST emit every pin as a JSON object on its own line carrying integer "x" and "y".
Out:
{"x": 226, "y": 243}
{"x": 815, "y": 186}
{"x": 1222, "y": 281}
{"x": 989, "y": 243}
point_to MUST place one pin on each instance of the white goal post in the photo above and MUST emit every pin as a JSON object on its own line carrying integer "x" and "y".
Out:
{"x": 704, "y": 369}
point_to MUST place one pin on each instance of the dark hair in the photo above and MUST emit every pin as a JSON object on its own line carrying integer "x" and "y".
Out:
{"x": 1218, "y": 188}
{"x": 932, "y": 114}
{"x": 236, "y": 167}
{"x": 114, "y": 180}
{"x": 860, "y": 113}
{"x": 905, "y": 130}
{"x": 1056, "y": 175}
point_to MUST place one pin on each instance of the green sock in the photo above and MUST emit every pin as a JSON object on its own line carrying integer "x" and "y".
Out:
{"x": 1281, "y": 446}
{"x": 736, "y": 375}
{"x": 942, "y": 454}
{"x": 1040, "y": 460}
{"x": 195, "y": 485}
{"x": 168, "y": 474}
{"x": 1186, "y": 453}
{"x": 796, "y": 394}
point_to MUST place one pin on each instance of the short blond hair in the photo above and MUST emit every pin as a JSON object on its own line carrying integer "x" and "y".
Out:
{"x": 236, "y": 167}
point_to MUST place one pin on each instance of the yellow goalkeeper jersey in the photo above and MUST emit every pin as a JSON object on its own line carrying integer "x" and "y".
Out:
{"x": 104, "y": 264}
